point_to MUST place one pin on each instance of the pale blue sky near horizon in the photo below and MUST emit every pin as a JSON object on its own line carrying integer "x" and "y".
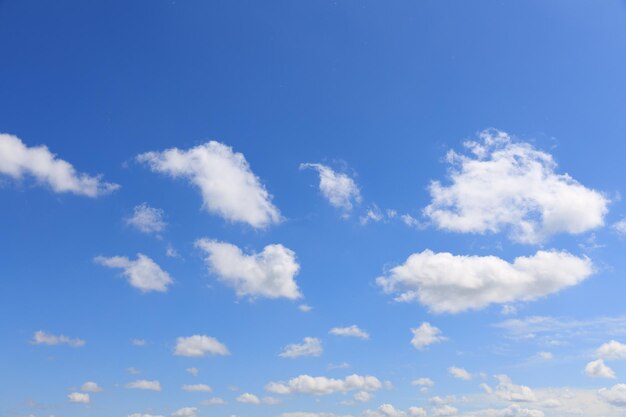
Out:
{"x": 378, "y": 92}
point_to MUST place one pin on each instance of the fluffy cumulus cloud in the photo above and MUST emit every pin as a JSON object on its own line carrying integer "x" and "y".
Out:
{"x": 612, "y": 350}
{"x": 459, "y": 373}
{"x": 186, "y": 412}
{"x": 199, "y": 345}
{"x": 142, "y": 273}
{"x": 321, "y": 385}
{"x": 42, "y": 338}
{"x": 616, "y": 395}
{"x": 388, "y": 410}
{"x": 350, "y": 331}
{"x": 247, "y": 398}
{"x": 513, "y": 410}
{"x": 269, "y": 274}
{"x": 229, "y": 188}
{"x": 453, "y": 283}
{"x": 90, "y": 386}
{"x": 18, "y": 161}
{"x": 504, "y": 184}
{"x": 426, "y": 335}
{"x": 310, "y": 346}
{"x": 147, "y": 219}
{"x": 79, "y": 398}
{"x": 144, "y": 384}
{"x": 508, "y": 391}
{"x": 197, "y": 388}
{"x": 598, "y": 369}
{"x": 339, "y": 189}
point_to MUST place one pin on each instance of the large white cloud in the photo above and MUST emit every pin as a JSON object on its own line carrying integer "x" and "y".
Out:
{"x": 507, "y": 184}
{"x": 199, "y": 345}
{"x": 310, "y": 346}
{"x": 42, "y": 338}
{"x": 321, "y": 385}
{"x": 616, "y": 395}
{"x": 350, "y": 331}
{"x": 229, "y": 188}
{"x": 338, "y": 188}
{"x": 18, "y": 161}
{"x": 269, "y": 273}
{"x": 425, "y": 335}
{"x": 142, "y": 273}
{"x": 453, "y": 283}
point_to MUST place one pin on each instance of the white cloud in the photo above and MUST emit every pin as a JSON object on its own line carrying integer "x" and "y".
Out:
{"x": 509, "y": 391}
{"x": 388, "y": 410}
{"x": 459, "y": 373}
{"x": 143, "y": 415}
{"x": 444, "y": 410}
{"x": 352, "y": 331}
{"x": 507, "y": 184}
{"x": 545, "y": 355}
{"x": 193, "y": 371}
{"x": 79, "y": 398}
{"x": 138, "y": 342}
{"x": 268, "y": 274}
{"x": 229, "y": 188}
{"x": 199, "y": 345}
{"x": 453, "y": 283}
{"x": 142, "y": 273}
{"x": 620, "y": 226}
{"x": 43, "y": 338}
{"x": 310, "y": 346}
{"x": 197, "y": 388}
{"x": 305, "y": 308}
{"x": 309, "y": 414}
{"x": 612, "y": 350}
{"x": 425, "y": 335}
{"x": 425, "y": 382}
{"x": 305, "y": 384}
{"x": 616, "y": 395}
{"x": 147, "y": 219}
{"x": 90, "y": 386}
{"x": 213, "y": 401}
{"x": 185, "y": 412}
{"x": 145, "y": 385}
{"x": 247, "y": 398}
{"x": 18, "y": 161}
{"x": 513, "y": 410}
{"x": 597, "y": 369}
{"x": 362, "y": 396}
{"x": 338, "y": 188}
{"x": 133, "y": 371}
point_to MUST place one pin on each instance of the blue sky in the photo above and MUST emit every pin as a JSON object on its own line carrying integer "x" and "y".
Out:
{"x": 312, "y": 209}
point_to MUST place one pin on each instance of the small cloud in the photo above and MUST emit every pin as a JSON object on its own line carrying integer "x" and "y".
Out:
{"x": 43, "y": 338}
{"x": 310, "y": 346}
{"x": 147, "y": 219}
{"x": 350, "y": 331}
{"x": 79, "y": 398}
{"x": 426, "y": 335}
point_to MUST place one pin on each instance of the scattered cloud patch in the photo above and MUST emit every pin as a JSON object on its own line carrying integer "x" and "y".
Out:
{"x": 229, "y": 187}
{"x": 147, "y": 219}
{"x": 197, "y": 388}
{"x": 306, "y": 384}
{"x": 144, "y": 384}
{"x": 269, "y": 274}
{"x": 597, "y": 369}
{"x": 350, "y": 331}
{"x": 505, "y": 184}
{"x": 142, "y": 273}
{"x": 42, "y": 338}
{"x": 79, "y": 398}
{"x": 90, "y": 386}
{"x": 18, "y": 161}
{"x": 426, "y": 335}
{"x": 310, "y": 346}
{"x": 338, "y": 188}
{"x": 459, "y": 373}
{"x": 199, "y": 345}
{"x": 448, "y": 283}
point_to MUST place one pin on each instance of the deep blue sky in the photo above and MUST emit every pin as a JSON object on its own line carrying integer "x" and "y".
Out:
{"x": 379, "y": 91}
